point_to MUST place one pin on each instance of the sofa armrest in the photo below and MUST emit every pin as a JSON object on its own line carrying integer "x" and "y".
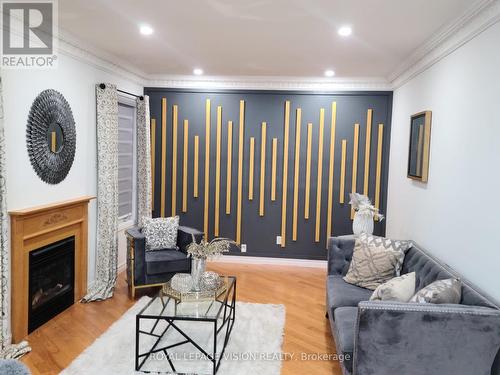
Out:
{"x": 136, "y": 253}
{"x": 422, "y": 339}
{"x": 186, "y": 235}
{"x": 339, "y": 255}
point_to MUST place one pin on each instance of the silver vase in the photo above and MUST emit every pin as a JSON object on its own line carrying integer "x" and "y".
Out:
{"x": 198, "y": 266}
{"x": 362, "y": 223}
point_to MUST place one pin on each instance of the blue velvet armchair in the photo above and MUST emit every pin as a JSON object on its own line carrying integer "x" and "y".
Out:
{"x": 154, "y": 268}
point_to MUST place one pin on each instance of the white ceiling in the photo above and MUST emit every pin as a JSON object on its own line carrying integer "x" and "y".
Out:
{"x": 294, "y": 38}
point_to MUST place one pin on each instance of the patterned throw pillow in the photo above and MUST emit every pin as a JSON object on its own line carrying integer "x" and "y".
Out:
{"x": 399, "y": 289}
{"x": 375, "y": 260}
{"x": 441, "y": 291}
{"x": 161, "y": 232}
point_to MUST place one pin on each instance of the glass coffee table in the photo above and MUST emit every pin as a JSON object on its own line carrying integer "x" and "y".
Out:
{"x": 179, "y": 337}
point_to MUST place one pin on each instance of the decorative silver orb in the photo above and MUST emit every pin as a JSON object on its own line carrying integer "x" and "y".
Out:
{"x": 210, "y": 281}
{"x": 182, "y": 282}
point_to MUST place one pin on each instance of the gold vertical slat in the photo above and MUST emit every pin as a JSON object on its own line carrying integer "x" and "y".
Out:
{"x": 285, "y": 173}
{"x": 296, "y": 174}
{"x": 229, "y": 166}
{"x": 207, "y": 167}
{"x": 241, "y": 139}
{"x": 196, "y": 165}
{"x": 153, "y": 161}
{"x": 185, "y": 166}
{"x": 333, "y": 127}
{"x": 53, "y": 142}
{"x": 378, "y": 172}
{"x": 320, "y": 174}
{"x": 355, "y": 163}
{"x": 174, "y": 159}
{"x": 342, "y": 171}
{"x": 262, "y": 168}
{"x": 308, "y": 171}
{"x": 217, "y": 170}
{"x": 163, "y": 153}
{"x": 369, "y": 120}
{"x": 251, "y": 168}
{"x": 274, "y": 159}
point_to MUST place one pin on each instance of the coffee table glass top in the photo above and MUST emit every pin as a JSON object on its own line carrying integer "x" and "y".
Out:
{"x": 166, "y": 306}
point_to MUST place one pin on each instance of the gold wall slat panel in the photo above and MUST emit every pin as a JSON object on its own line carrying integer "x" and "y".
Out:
{"x": 355, "y": 153}
{"x": 251, "y": 168}
{"x": 229, "y": 166}
{"x": 273, "y": 168}
{"x": 285, "y": 173}
{"x": 217, "y": 170}
{"x": 369, "y": 120}
{"x": 378, "y": 174}
{"x": 174, "y": 159}
{"x": 207, "y": 167}
{"x": 342, "y": 171}
{"x": 153, "y": 161}
{"x": 196, "y": 165}
{"x": 241, "y": 141}
{"x": 331, "y": 166}
{"x": 308, "y": 171}
{"x": 185, "y": 166}
{"x": 163, "y": 154}
{"x": 317, "y": 231}
{"x": 296, "y": 174}
{"x": 262, "y": 168}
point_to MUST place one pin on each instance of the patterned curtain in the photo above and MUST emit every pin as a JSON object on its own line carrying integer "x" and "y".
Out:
{"x": 143, "y": 160}
{"x": 107, "y": 193}
{"x": 6, "y": 349}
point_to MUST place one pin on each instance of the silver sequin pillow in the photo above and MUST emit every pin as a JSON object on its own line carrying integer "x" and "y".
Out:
{"x": 441, "y": 291}
{"x": 161, "y": 232}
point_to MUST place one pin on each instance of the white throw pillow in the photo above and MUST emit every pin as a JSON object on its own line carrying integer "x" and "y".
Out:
{"x": 161, "y": 232}
{"x": 400, "y": 289}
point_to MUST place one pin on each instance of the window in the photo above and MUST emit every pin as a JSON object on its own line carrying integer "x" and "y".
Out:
{"x": 126, "y": 160}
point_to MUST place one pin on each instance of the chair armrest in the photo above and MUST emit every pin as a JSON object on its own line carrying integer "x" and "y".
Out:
{"x": 186, "y": 235}
{"x": 136, "y": 253}
{"x": 339, "y": 255}
{"x": 422, "y": 339}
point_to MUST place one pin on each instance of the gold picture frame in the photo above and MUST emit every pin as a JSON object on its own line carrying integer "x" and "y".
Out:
{"x": 419, "y": 149}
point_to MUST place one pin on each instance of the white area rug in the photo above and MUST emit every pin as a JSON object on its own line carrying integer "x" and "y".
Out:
{"x": 254, "y": 346}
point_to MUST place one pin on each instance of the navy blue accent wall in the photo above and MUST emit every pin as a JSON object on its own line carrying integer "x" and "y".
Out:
{"x": 259, "y": 233}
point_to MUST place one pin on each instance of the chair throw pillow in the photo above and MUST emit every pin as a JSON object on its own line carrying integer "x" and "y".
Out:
{"x": 399, "y": 289}
{"x": 440, "y": 291}
{"x": 161, "y": 232}
{"x": 375, "y": 260}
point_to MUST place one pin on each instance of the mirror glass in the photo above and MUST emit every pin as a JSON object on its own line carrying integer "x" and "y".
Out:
{"x": 416, "y": 146}
{"x": 55, "y": 138}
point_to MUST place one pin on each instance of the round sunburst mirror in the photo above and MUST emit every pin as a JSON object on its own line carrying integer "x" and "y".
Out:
{"x": 51, "y": 136}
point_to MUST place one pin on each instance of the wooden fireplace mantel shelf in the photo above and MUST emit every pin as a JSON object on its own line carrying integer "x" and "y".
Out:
{"x": 36, "y": 227}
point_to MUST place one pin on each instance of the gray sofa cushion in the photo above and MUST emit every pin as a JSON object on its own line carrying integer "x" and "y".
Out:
{"x": 166, "y": 261}
{"x": 345, "y": 324}
{"x": 341, "y": 294}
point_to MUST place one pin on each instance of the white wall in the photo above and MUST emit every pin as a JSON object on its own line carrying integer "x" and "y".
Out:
{"x": 456, "y": 215}
{"x": 76, "y": 81}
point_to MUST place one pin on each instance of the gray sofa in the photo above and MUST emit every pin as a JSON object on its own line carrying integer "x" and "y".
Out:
{"x": 391, "y": 338}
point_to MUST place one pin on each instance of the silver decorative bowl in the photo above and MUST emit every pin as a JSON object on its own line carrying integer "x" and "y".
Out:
{"x": 182, "y": 282}
{"x": 210, "y": 281}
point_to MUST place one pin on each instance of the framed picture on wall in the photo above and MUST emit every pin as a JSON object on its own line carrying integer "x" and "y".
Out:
{"x": 420, "y": 139}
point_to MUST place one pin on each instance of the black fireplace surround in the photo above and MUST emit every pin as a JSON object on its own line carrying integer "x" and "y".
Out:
{"x": 51, "y": 281}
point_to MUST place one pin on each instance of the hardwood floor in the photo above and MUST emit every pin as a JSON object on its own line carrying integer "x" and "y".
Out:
{"x": 301, "y": 290}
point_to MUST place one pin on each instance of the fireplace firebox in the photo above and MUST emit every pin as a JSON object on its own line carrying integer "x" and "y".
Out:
{"x": 51, "y": 281}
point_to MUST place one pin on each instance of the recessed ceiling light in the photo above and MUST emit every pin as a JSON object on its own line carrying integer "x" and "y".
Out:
{"x": 146, "y": 30}
{"x": 198, "y": 72}
{"x": 329, "y": 73}
{"x": 345, "y": 31}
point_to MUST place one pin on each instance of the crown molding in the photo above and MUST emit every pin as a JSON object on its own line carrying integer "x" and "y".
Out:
{"x": 479, "y": 17}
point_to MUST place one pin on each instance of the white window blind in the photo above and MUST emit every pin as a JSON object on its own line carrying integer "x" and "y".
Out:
{"x": 126, "y": 140}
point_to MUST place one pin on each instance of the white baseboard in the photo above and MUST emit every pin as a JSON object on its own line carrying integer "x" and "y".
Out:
{"x": 122, "y": 267}
{"x": 271, "y": 261}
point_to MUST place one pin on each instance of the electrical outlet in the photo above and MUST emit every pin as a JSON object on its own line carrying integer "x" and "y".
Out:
{"x": 243, "y": 247}
{"x": 278, "y": 240}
